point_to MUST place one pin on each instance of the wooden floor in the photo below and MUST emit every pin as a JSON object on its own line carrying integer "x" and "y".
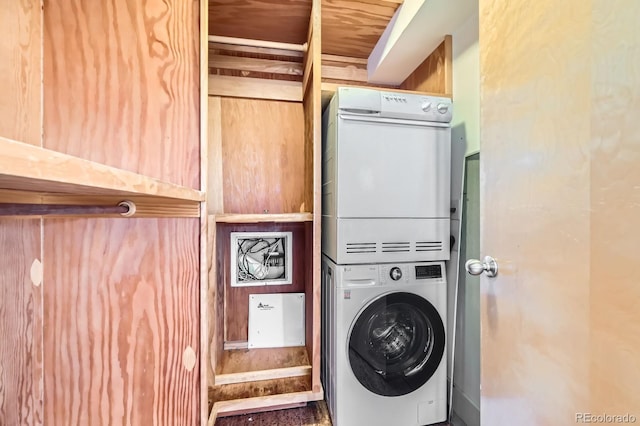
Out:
{"x": 314, "y": 414}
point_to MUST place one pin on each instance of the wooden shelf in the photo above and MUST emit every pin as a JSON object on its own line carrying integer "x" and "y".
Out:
{"x": 237, "y": 399}
{"x": 251, "y": 365}
{"x": 27, "y": 167}
{"x": 258, "y": 218}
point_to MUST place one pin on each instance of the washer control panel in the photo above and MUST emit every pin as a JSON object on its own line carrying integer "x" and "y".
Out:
{"x": 411, "y": 273}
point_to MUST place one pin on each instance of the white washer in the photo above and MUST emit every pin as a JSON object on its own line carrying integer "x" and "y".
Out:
{"x": 384, "y": 343}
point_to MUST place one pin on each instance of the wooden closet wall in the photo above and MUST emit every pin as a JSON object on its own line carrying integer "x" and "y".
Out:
{"x": 106, "y": 329}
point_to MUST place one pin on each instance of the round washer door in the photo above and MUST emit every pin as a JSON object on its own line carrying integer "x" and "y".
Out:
{"x": 396, "y": 344}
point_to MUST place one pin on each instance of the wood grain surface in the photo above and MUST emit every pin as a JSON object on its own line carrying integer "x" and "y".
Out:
{"x": 21, "y": 70}
{"x": 259, "y": 389}
{"x": 121, "y": 84}
{"x": 352, "y": 28}
{"x": 254, "y": 88}
{"x": 122, "y": 309}
{"x": 20, "y": 324}
{"x": 31, "y": 168}
{"x": 271, "y": 20}
{"x": 435, "y": 74}
{"x": 313, "y": 194}
{"x": 246, "y": 360}
{"x": 614, "y": 200}
{"x": 236, "y": 299}
{"x": 262, "y": 156}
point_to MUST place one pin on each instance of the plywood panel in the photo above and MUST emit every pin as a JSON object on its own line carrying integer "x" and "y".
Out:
{"x": 313, "y": 192}
{"x": 21, "y": 71}
{"x": 435, "y": 74}
{"x": 535, "y": 211}
{"x": 259, "y": 389}
{"x": 121, "y": 85}
{"x": 271, "y": 20}
{"x": 122, "y": 321}
{"x": 262, "y": 156}
{"x": 20, "y": 322}
{"x": 31, "y": 168}
{"x": 250, "y": 365}
{"x": 615, "y": 207}
{"x": 236, "y": 299}
{"x": 254, "y": 88}
{"x": 352, "y": 28}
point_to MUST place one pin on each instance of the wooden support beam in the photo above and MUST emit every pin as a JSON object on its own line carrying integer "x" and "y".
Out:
{"x": 255, "y": 88}
{"x": 255, "y": 49}
{"x": 258, "y": 43}
{"x": 348, "y": 73}
{"x": 145, "y": 206}
{"x": 343, "y": 59}
{"x": 242, "y": 63}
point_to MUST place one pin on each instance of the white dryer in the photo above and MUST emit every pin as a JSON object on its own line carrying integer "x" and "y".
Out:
{"x": 384, "y": 343}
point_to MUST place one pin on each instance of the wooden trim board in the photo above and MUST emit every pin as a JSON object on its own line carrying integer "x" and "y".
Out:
{"x": 242, "y": 63}
{"x": 248, "y": 405}
{"x": 31, "y": 168}
{"x": 259, "y": 218}
{"x": 255, "y": 88}
{"x": 145, "y": 206}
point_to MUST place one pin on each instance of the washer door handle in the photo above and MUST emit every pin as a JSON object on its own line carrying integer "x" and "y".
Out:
{"x": 476, "y": 267}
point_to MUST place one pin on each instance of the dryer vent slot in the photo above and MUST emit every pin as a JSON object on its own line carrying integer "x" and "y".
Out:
{"x": 428, "y": 245}
{"x": 397, "y": 247}
{"x": 361, "y": 247}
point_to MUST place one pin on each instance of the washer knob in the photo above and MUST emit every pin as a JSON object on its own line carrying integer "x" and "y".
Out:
{"x": 443, "y": 108}
{"x": 426, "y": 106}
{"x": 395, "y": 273}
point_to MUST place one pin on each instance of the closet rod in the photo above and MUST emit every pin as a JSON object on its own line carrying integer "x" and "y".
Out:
{"x": 125, "y": 208}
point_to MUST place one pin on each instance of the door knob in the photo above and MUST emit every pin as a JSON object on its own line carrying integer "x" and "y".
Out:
{"x": 475, "y": 267}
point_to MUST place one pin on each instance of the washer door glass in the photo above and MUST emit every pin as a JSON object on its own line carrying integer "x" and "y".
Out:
{"x": 396, "y": 344}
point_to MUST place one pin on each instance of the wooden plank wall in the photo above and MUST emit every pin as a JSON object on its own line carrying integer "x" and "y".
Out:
{"x": 20, "y": 258}
{"x": 121, "y": 85}
{"x": 262, "y": 156}
{"x": 21, "y": 82}
{"x": 20, "y": 323}
{"x": 281, "y": 21}
{"x": 435, "y": 74}
{"x": 122, "y": 321}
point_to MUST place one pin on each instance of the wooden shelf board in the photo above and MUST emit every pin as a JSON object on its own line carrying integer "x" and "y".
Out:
{"x": 255, "y": 88}
{"x": 257, "y": 218}
{"x": 31, "y": 168}
{"x": 252, "y": 365}
{"x": 257, "y": 396}
{"x": 328, "y": 90}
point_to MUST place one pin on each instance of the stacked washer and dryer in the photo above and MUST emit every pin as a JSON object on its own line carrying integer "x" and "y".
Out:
{"x": 385, "y": 237}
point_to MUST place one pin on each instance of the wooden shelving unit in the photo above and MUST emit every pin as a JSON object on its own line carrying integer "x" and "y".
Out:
{"x": 264, "y": 175}
{"x": 35, "y": 175}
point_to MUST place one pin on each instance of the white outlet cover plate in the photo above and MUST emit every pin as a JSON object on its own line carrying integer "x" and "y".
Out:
{"x": 276, "y": 320}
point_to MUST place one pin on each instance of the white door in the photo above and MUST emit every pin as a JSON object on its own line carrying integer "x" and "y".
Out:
{"x": 560, "y": 206}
